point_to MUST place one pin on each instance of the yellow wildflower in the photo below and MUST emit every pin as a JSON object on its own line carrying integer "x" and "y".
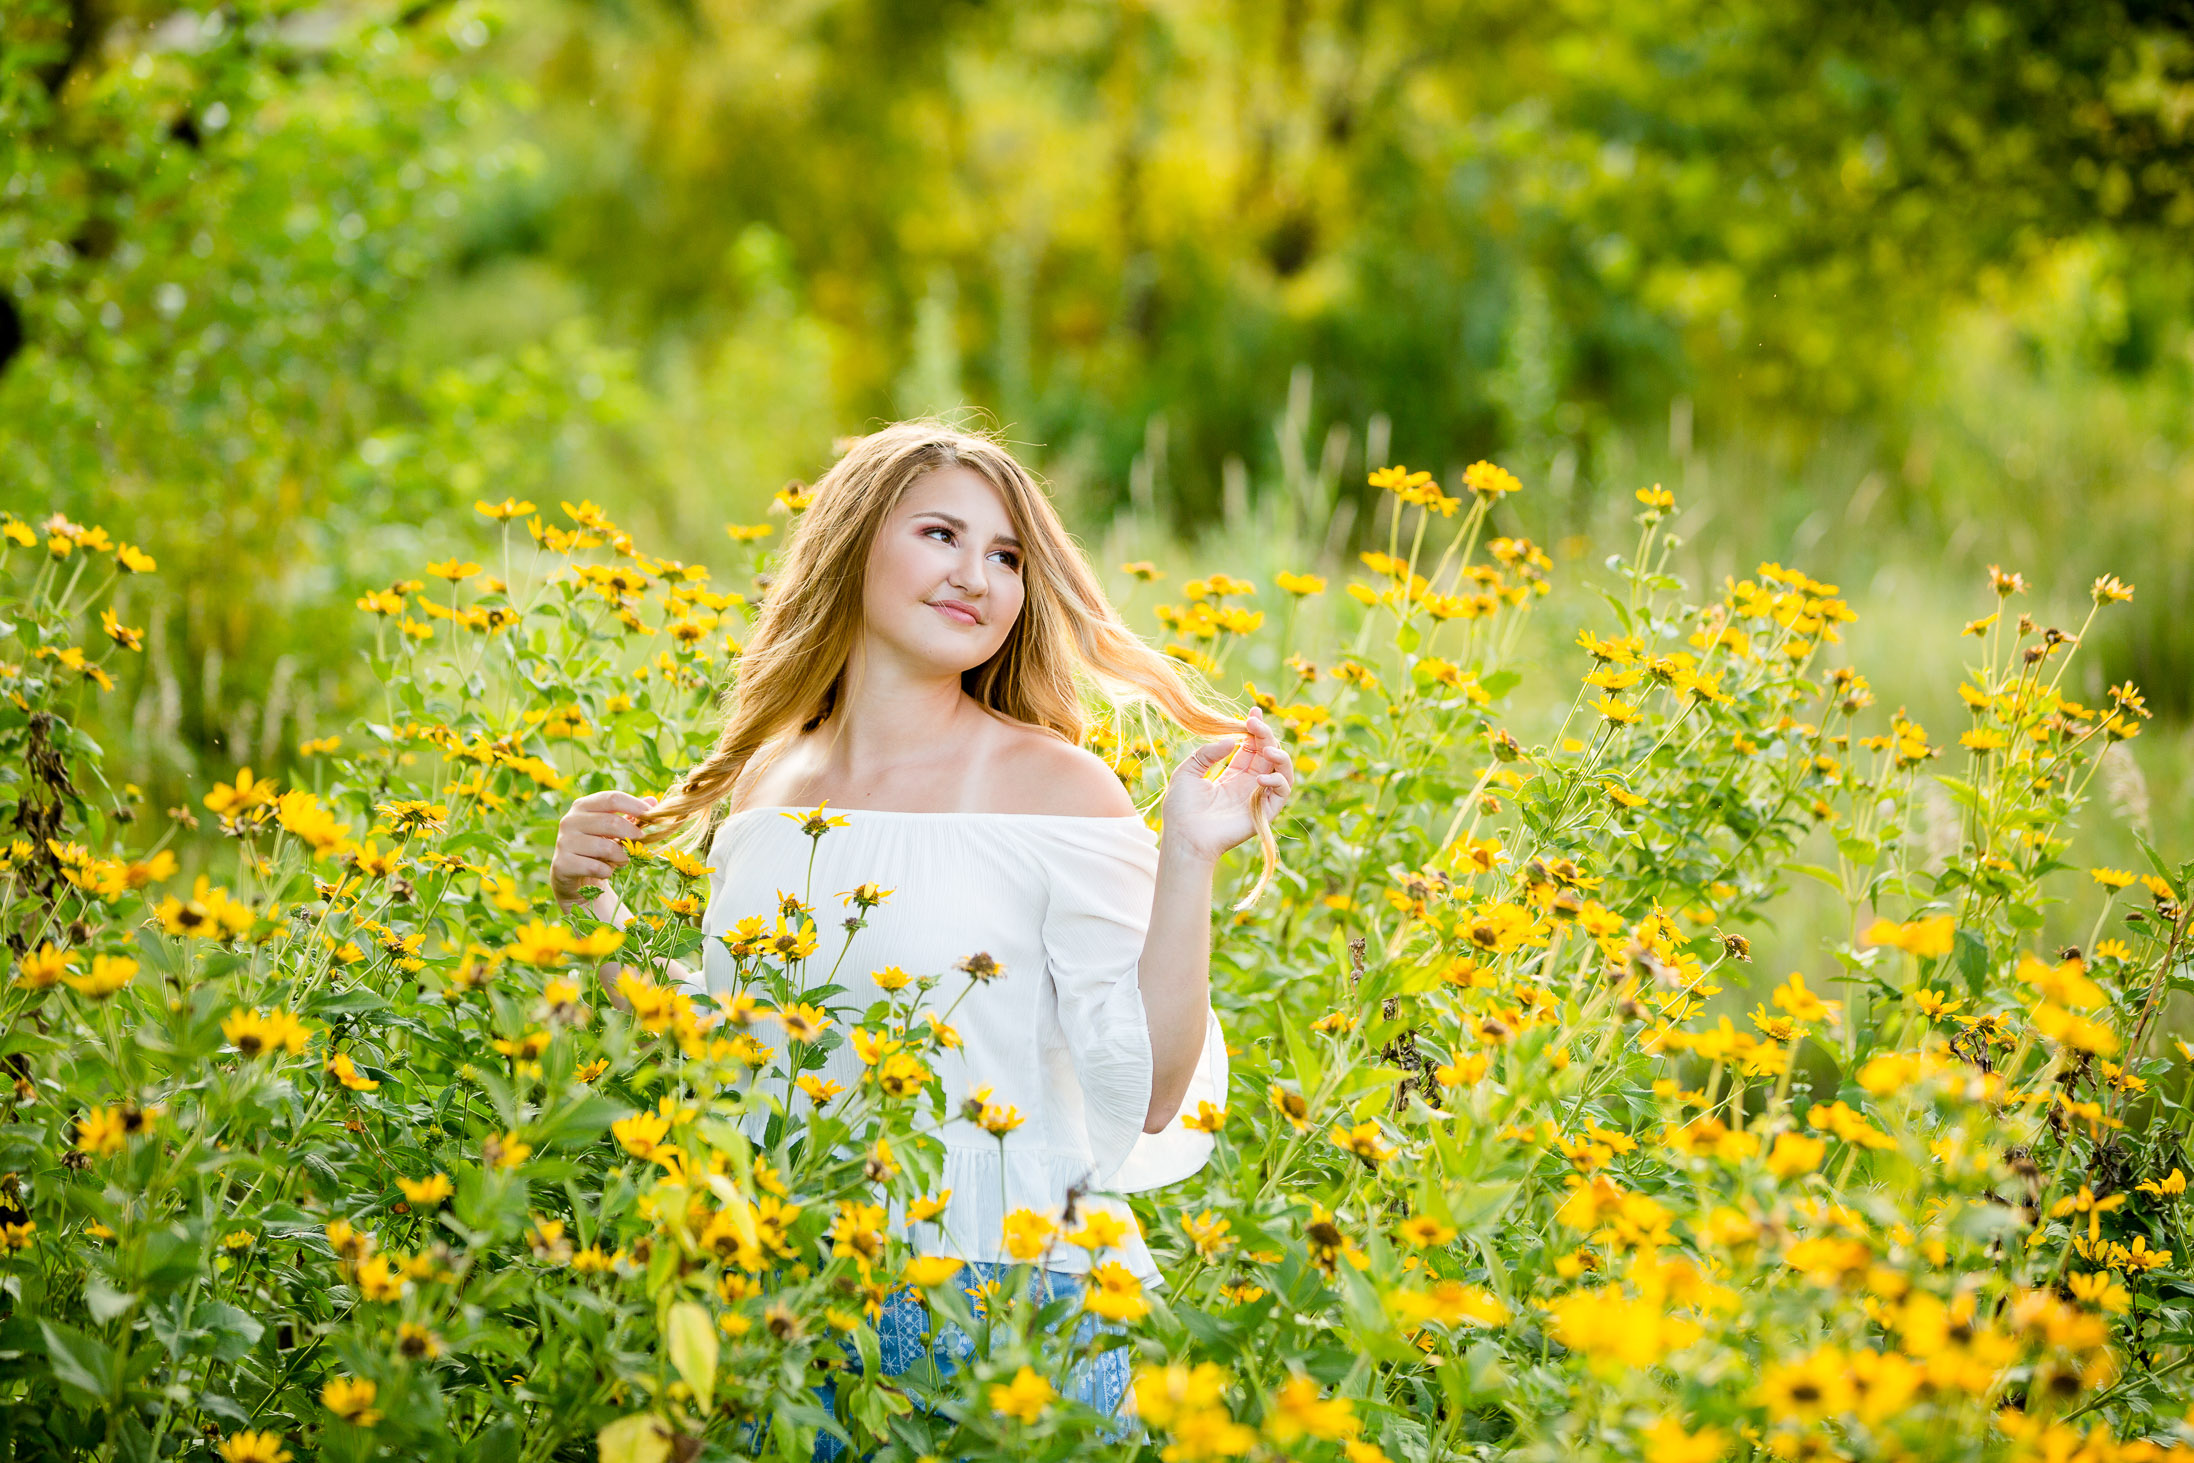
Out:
{"x": 1298, "y": 1411}
{"x": 108, "y": 974}
{"x": 254, "y": 1447}
{"x": 1028, "y": 1234}
{"x": 1112, "y": 1291}
{"x": 1024, "y": 1398}
{"x": 926, "y": 1272}
{"x": 427, "y": 1192}
{"x": 351, "y": 1399}
{"x": 1926, "y": 938}
{"x": 257, "y": 1034}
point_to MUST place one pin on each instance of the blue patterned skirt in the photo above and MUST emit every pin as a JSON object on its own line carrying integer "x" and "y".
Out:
{"x": 908, "y": 1331}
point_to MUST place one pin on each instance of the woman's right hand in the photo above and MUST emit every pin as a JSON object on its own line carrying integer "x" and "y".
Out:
{"x": 588, "y": 850}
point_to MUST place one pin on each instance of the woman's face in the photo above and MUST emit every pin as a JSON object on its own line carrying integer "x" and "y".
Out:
{"x": 944, "y": 576}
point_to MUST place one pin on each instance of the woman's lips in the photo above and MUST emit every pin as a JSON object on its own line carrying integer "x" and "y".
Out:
{"x": 956, "y": 614}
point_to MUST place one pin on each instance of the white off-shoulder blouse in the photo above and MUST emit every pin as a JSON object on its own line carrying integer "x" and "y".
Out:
{"x": 1063, "y": 904}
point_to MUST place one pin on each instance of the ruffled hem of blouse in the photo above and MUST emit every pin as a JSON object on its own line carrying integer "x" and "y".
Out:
{"x": 972, "y": 1226}
{"x": 1167, "y": 1157}
{"x": 1115, "y": 1073}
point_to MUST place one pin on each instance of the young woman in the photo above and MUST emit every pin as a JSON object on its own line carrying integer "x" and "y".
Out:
{"x": 917, "y": 667}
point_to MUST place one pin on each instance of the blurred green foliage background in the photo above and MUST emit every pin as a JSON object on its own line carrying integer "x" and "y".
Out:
{"x": 1892, "y": 291}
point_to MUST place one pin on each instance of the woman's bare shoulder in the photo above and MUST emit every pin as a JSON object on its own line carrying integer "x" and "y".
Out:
{"x": 1044, "y": 773}
{"x": 769, "y": 779}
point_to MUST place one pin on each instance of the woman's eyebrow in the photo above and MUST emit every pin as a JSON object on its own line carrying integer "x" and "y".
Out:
{"x": 959, "y": 525}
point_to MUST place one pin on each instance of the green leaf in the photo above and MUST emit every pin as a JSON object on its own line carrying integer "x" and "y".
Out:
{"x": 80, "y": 1362}
{"x": 347, "y": 1002}
{"x": 1208, "y": 1330}
{"x": 132, "y": 1443}
{"x": 693, "y": 1351}
{"x": 1970, "y": 956}
{"x": 1860, "y": 850}
{"x": 158, "y": 951}
{"x": 1961, "y": 791}
{"x": 1815, "y": 871}
{"x": 2155, "y": 860}
{"x": 228, "y": 1409}
{"x": 1479, "y": 1206}
{"x": 584, "y": 1119}
{"x": 1500, "y": 683}
{"x": 1361, "y": 1078}
{"x": 78, "y": 741}
{"x": 234, "y": 1332}
{"x": 104, "y": 1301}
{"x": 499, "y": 1444}
{"x": 639, "y": 1438}
{"x": 1309, "y": 1072}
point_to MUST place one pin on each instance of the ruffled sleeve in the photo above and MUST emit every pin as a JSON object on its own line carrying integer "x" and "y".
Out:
{"x": 1101, "y": 875}
{"x": 1170, "y": 1156}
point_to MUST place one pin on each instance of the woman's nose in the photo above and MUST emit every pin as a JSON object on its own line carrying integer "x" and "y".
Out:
{"x": 969, "y": 574}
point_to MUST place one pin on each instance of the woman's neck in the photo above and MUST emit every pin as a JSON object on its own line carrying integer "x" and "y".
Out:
{"x": 956, "y": 767}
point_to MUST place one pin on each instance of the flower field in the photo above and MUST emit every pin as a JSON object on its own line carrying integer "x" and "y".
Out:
{"x": 345, "y": 1148}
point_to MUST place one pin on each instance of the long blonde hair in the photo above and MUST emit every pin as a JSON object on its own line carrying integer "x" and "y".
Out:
{"x": 790, "y": 674}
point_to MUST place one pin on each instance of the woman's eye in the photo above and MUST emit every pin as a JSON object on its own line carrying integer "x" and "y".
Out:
{"x": 1013, "y": 560}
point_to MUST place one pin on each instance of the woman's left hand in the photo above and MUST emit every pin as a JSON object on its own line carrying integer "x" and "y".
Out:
{"x": 1207, "y": 815}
